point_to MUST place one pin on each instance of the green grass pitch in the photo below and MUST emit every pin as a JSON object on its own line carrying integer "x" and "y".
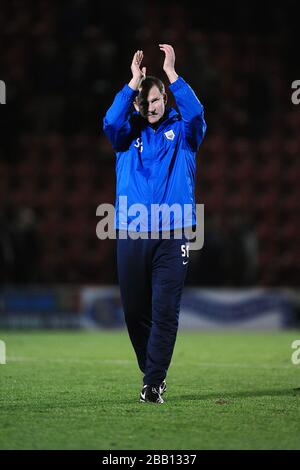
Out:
{"x": 80, "y": 390}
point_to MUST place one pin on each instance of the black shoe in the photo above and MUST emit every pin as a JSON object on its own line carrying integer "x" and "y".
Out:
{"x": 151, "y": 393}
{"x": 162, "y": 387}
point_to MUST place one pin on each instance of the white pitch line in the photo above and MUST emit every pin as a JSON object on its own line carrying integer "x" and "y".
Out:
{"x": 240, "y": 365}
{"x": 68, "y": 360}
{"x": 128, "y": 362}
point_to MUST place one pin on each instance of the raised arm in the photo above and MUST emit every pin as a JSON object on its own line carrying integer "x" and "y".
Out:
{"x": 190, "y": 108}
{"x": 169, "y": 62}
{"x": 116, "y": 123}
{"x": 138, "y": 74}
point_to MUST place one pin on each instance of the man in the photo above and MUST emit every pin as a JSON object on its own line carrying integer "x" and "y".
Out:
{"x": 156, "y": 150}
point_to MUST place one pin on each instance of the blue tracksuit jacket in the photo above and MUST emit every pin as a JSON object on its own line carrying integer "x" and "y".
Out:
{"x": 155, "y": 167}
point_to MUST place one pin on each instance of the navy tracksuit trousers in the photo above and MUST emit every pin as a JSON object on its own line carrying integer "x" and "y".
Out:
{"x": 151, "y": 275}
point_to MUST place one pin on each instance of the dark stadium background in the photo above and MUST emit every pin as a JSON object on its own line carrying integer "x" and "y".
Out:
{"x": 228, "y": 387}
{"x": 62, "y": 63}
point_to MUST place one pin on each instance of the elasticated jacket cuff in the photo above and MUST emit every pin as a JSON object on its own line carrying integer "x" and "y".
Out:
{"x": 177, "y": 84}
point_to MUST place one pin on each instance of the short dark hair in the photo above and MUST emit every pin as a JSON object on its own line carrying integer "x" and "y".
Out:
{"x": 149, "y": 82}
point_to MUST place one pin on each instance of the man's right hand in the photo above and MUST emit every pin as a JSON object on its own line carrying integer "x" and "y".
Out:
{"x": 138, "y": 74}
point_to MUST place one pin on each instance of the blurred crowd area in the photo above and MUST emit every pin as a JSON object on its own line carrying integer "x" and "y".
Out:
{"x": 63, "y": 62}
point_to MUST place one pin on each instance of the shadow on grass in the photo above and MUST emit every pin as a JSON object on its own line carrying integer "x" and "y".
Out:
{"x": 99, "y": 404}
{"x": 227, "y": 395}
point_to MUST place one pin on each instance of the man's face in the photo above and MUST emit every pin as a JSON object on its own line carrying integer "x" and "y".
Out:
{"x": 153, "y": 108}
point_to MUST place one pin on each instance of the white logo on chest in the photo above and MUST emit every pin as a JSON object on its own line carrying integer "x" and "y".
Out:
{"x": 170, "y": 135}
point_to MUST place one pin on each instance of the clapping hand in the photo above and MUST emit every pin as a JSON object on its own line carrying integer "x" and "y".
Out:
{"x": 138, "y": 74}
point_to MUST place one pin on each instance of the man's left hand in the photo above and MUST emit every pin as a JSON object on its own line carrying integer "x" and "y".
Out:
{"x": 169, "y": 62}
